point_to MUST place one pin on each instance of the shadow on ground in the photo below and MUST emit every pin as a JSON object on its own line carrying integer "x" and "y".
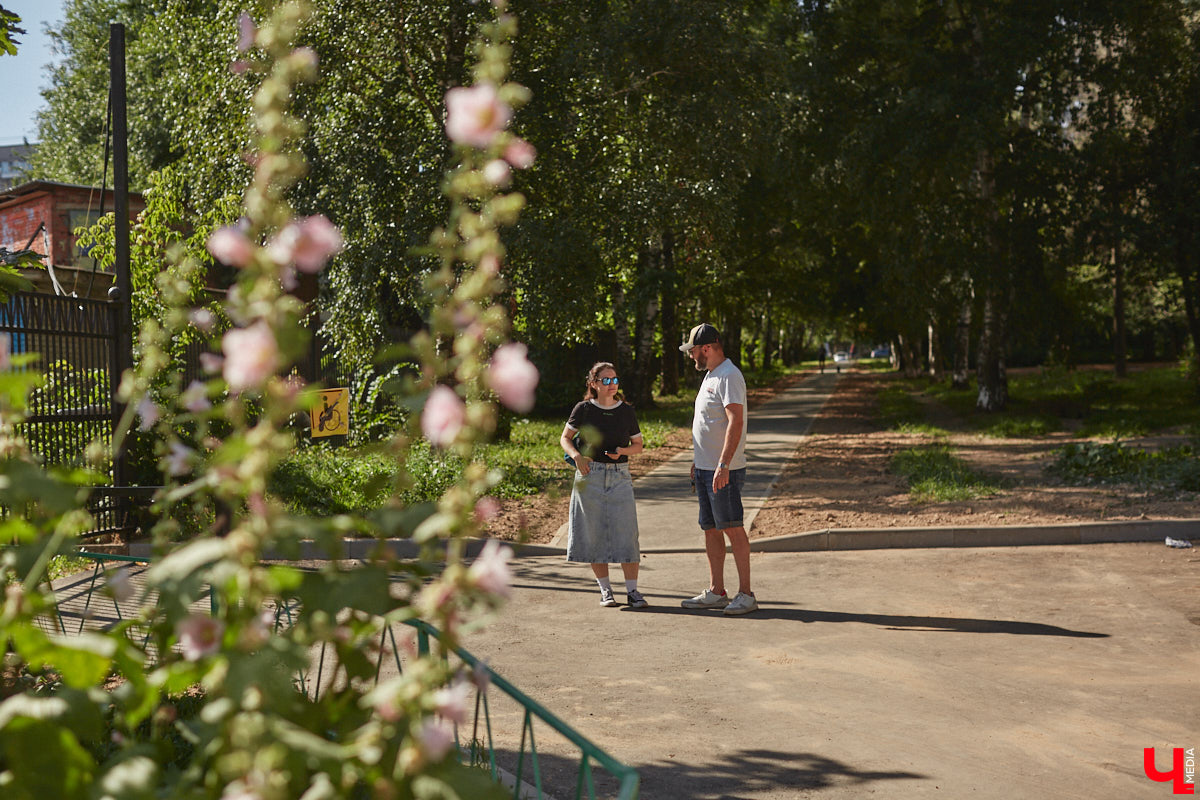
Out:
{"x": 724, "y": 777}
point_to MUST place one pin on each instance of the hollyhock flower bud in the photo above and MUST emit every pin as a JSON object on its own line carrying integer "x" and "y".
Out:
{"x": 178, "y": 460}
{"x": 490, "y": 571}
{"x": 211, "y": 362}
{"x": 148, "y": 413}
{"x": 230, "y": 246}
{"x": 475, "y": 114}
{"x": 486, "y": 508}
{"x": 119, "y": 584}
{"x": 520, "y": 153}
{"x": 246, "y": 32}
{"x": 203, "y": 319}
{"x": 240, "y": 66}
{"x": 306, "y": 243}
{"x": 513, "y": 378}
{"x": 443, "y": 416}
{"x": 251, "y": 356}
{"x": 497, "y": 172}
{"x": 199, "y": 636}
{"x": 195, "y": 397}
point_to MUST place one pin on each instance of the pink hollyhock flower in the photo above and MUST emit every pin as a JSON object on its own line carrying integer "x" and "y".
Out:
{"x": 497, "y": 172}
{"x": 453, "y": 702}
{"x": 178, "y": 460}
{"x": 520, "y": 153}
{"x": 474, "y": 115}
{"x": 307, "y": 243}
{"x": 251, "y": 356}
{"x": 246, "y": 32}
{"x": 230, "y": 246}
{"x": 199, "y": 636}
{"x": 513, "y": 378}
{"x": 490, "y": 571}
{"x": 436, "y": 737}
{"x": 195, "y": 397}
{"x": 211, "y": 362}
{"x": 148, "y": 412}
{"x": 238, "y": 67}
{"x": 443, "y": 416}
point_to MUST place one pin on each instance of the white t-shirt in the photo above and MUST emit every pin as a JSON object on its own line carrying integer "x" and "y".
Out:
{"x": 722, "y": 386}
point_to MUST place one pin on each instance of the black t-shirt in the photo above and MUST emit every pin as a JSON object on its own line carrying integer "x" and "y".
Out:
{"x": 617, "y": 425}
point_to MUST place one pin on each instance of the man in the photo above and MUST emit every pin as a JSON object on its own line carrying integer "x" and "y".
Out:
{"x": 719, "y": 469}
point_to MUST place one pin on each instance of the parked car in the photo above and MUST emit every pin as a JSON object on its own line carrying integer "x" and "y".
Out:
{"x": 883, "y": 351}
{"x": 841, "y": 355}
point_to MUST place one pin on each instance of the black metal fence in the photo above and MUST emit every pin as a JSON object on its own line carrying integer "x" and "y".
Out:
{"x": 78, "y": 346}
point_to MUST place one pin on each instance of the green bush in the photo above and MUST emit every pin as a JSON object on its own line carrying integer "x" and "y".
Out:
{"x": 1171, "y": 469}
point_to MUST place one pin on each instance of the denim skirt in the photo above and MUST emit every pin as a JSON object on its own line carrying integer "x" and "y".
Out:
{"x": 603, "y": 527}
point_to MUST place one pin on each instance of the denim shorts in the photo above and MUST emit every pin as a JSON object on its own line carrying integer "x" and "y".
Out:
{"x": 720, "y": 510}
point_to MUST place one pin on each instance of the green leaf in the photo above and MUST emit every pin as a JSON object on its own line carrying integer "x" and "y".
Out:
{"x": 453, "y": 781}
{"x": 67, "y": 708}
{"x": 82, "y": 660}
{"x": 187, "y": 560}
{"x": 46, "y": 760}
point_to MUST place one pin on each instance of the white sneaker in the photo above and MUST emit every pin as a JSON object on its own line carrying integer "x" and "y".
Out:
{"x": 706, "y": 599}
{"x": 606, "y": 597}
{"x": 742, "y": 604}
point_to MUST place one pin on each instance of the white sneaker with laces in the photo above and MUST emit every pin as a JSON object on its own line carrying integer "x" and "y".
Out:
{"x": 706, "y": 599}
{"x": 606, "y": 597}
{"x": 742, "y": 604}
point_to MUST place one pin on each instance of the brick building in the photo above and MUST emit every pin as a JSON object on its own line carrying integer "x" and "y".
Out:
{"x": 48, "y": 213}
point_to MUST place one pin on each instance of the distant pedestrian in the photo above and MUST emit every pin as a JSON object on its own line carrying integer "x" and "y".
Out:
{"x": 821, "y": 357}
{"x": 719, "y": 469}
{"x": 602, "y": 526}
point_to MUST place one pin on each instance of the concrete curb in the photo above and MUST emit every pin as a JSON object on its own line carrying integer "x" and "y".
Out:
{"x": 980, "y": 536}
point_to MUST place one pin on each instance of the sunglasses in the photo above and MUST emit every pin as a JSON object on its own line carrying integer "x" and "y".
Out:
{"x": 609, "y": 381}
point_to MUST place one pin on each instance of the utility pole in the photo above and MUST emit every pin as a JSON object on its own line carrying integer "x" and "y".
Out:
{"x": 122, "y": 292}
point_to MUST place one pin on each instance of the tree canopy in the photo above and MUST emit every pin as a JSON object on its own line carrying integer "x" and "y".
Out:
{"x": 978, "y": 182}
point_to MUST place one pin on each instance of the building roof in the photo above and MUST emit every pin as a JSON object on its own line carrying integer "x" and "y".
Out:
{"x": 32, "y": 187}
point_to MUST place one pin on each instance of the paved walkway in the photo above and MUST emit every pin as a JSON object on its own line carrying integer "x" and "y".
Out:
{"x": 989, "y": 673}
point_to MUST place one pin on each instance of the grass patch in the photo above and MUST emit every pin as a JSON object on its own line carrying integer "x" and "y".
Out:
{"x": 1171, "y": 469}
{"x": 936, "y": 475}
{"x": 900, "y": 410}
{"x": 1145, "y": 401}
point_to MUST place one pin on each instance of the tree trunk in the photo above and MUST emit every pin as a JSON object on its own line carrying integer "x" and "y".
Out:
{"x": 671, "y": 336}
{"x": 641, "y": 394}
{"x": 993, "y": 378}
{"x": 621, "y": 329}
{"x": 935, "y": 356}
{"x": 960, "y": 378}
{"x": 731, "y": 339}
{"x": 1119, "y": 343}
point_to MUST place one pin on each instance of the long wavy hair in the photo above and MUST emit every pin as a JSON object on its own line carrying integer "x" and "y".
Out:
{"x": 593, "y": 376}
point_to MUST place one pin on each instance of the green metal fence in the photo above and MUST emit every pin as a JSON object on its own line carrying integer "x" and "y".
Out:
{"x": 526, "y": 775}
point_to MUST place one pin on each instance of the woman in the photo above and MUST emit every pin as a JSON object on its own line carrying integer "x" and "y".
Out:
{"x": 600, "y": 435}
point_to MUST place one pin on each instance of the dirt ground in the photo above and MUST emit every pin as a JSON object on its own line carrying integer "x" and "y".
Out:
{"x": 839, "y": 479}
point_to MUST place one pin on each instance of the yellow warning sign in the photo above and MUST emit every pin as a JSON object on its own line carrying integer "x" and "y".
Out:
{"x": 331, "y": 415}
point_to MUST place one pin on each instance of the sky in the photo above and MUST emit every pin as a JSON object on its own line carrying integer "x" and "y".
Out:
{"x": 23, "y": 76}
